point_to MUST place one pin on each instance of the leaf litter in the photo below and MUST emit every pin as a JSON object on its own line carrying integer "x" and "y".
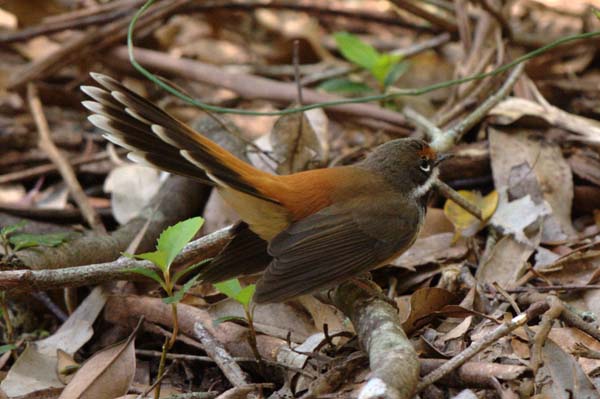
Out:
{"x": 531, "y": 164}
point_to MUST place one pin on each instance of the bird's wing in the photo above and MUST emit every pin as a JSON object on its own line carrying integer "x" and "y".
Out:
{"x": 335, "y": 244}
{"x": 245, "y": 254}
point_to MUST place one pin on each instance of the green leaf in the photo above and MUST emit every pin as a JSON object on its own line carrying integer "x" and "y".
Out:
{"x": 157, "y": 257}
{"x": 178, "y": 296}
{"x": 397, "y": 70}
{"x": 223, "y": 319}
{"x": 22, "y": 241}
{"x": 185, "y": 271}
{"x": 596, "y": 12}
{"x": 355, "y": 50}
{"x": 245, "y": 296}
{"x": 344, "y": 86}
{"x": 174, "y": 238}
{"x": 147, "y": 273}
{"x": 383, "y": 66}
{"x": 12, "y": 228}
{"x": 171, "y": 242}
{"x": 231, "y": 288}
{"x": 6, "y": 348}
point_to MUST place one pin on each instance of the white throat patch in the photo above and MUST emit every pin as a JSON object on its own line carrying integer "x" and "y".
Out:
{"x": 423, "y": 189}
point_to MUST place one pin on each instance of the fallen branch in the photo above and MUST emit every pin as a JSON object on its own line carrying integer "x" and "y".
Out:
{"x": 125, "y": 310}
{"x": 92, "y": 249}
{"x": 475, "y": 374}
{"x": 38, "y": 280}
{"x": 247, "y": 86}
{"x": 393, "y": 361}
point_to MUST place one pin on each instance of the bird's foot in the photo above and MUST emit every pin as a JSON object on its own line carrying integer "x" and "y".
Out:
{"x": 369, "y": 286}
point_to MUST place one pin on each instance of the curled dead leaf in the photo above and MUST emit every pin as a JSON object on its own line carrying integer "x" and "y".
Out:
{"x": 423, "y": 302}
{"x": 465, "y": 224}
{"x": 106, "y": 375}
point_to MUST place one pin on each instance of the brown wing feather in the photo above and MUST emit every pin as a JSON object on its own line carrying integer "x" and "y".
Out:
{"x": 335, "y": 244}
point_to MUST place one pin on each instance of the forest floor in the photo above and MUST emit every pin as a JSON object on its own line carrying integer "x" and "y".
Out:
{"x": 504, "y": 307}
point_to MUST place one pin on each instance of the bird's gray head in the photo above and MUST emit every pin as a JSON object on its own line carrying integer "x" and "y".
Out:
{"x": 410, "y": 165}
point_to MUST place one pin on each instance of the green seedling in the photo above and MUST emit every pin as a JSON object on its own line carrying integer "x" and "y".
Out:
{"x": 13, "y": 241}
{"x": 386, "y": 68}
{"x": 233, "y": 289}
{"x": 170, "y": 243}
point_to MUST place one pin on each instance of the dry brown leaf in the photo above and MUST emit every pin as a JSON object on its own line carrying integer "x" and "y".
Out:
{"x": 298, "y": 357}
{"x": 11, "y": 193}
{"x": 432, "y": 249}
{"x": 292, "y": 25}
{"x": 520, "y": 219}
{"x": 585, "y": 164}
{"x": 435, "y": 222}
{"x": 459, "y": 331}
{"x": 322, "y": 313}
{"x": 35, "y": 369}
{"x": 106, "y": 375}
{"x": 422, "y": 303}
{"x": 295, "y": 143}
{"x": 505, "y": 263}
{"x": 561, "y": 376}
{"x": 509, "y": 151}
{"x": 37, "y": 48}
{"x": 273, "y": 318}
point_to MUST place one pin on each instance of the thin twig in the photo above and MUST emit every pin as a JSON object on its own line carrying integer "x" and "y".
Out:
{"x": 157, "y": 382}
{"x": 497, "y": 14}
{"x": 431, "y": 130}
{"x": 449, "y": 193}
{"x": 41, "y": 170}
{"x": 65, "y": 169}
{"x": 476, "y": 347}
{"x": 453, "y": 135}
{"x": 443, "y": 22}
{"x": 221, "y": 356}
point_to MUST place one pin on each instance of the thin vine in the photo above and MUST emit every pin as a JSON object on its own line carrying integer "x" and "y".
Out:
{"x": 394, "y": 93}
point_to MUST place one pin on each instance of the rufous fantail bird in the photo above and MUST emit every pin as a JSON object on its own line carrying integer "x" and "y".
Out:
{"x": 305, "y": 231}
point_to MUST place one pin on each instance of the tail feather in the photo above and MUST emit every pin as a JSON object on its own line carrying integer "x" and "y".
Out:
{"x": 162, "y": 141}
{"x": 131, "y": 133}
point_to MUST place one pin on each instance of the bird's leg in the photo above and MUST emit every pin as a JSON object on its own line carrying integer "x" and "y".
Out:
{"x": 365, "y": 283}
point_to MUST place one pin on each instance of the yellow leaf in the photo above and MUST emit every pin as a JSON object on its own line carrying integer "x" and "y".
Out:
{"x": 465, "y": 224}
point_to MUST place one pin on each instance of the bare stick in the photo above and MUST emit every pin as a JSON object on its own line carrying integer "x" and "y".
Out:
{"x": 220, "y": 355}
{"x": 40, "y": 170}
{"x": 65, "y": 169}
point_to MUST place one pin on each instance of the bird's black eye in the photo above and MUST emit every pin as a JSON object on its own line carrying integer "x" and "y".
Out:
{"x": 425, "y": 165}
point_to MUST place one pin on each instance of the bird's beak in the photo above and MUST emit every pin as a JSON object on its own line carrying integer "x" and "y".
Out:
{"x": 442, "y": 157}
